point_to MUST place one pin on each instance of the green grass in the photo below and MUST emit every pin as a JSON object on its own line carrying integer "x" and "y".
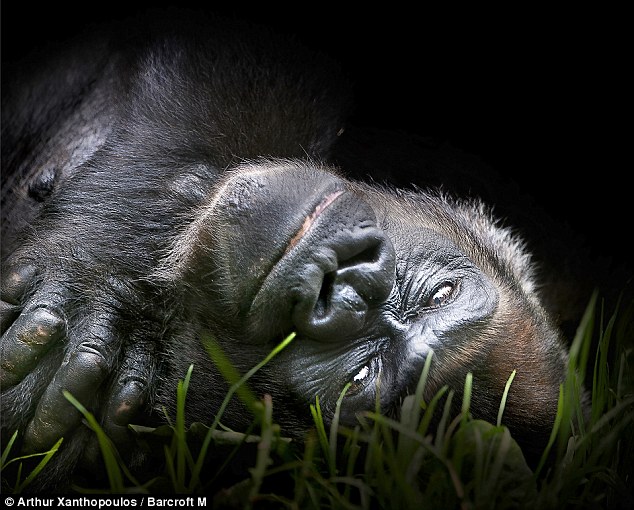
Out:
{"x": 460, "y": 463}
{"x": 20, "y": 483}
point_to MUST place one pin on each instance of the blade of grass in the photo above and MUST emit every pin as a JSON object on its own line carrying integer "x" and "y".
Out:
{"x": 180, "y": 437}
{"x": 553, "y": 434}
{"x": 334, "y": 432}
{"x": 228, "y": 371}
{"x": 7, "y": 449}
{"x": 353, "y": 449}
{"x": 440, "y": 440}
{"x": 430, "y": 410}
{"x": 492, "y": 480}
{"x": 580, "y": 347}
{"x": 410, "y": 414}
{"x": 600, "y": 379}
{"x": 318, "y": 419}
{"x": 113, "y": 470}
{"x": 459, "y": 446}
{"x": 263, "y": 458}
{"x": 37, "y": 469}
{"x": 466, "y": 397}
{"x": 507, "y": 387}
{"x": 232, "y": 390}
{"x": 302, "y": 486}
{"x": 240, "y": 382}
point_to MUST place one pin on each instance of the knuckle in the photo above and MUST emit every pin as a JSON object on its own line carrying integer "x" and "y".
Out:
{"x": 26, "y": 339}
{"x": 15, "y": 283}
{"x": 90, "y": 360}
{"x": 95, "y": 345}
{"x": 133, "y": 384}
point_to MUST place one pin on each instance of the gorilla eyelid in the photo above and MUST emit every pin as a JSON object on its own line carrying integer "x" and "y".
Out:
{"x": 362, "y": 374}
{"x": 442, "y": 294}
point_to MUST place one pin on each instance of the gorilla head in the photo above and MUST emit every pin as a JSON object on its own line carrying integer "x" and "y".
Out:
{"x": 372, "y": 280}
{"x": 181, "y": 185}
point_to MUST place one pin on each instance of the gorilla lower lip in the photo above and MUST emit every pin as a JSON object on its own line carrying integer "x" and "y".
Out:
{"x": 310, "y": 219}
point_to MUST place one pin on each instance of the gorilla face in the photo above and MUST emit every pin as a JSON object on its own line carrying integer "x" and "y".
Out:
{"x": 371, "y": 282}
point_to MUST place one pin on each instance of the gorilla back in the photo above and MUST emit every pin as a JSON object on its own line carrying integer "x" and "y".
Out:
{"x": 174, "y": 186}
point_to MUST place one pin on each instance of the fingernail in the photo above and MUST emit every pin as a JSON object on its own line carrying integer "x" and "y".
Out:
{"x": 43, "y": 327}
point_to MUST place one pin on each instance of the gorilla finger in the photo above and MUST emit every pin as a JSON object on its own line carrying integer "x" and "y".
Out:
{"x": 26, "y": 340}
{"x": 123, "y": 407}
{"x": 8, "y": 313}
{"x": 128, "y": 398}
{"x": 125, "y": 404}
{"x": 15, "y": 283}
{"x": 81, "y": 374}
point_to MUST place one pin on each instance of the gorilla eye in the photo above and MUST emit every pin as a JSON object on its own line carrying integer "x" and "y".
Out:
{"x": 364, "y": 377}
{"x": 441, "y": 295}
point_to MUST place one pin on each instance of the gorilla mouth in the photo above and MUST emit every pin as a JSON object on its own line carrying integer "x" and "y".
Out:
{"x": 308, "y": 257}
{"x": 310, "y": 219}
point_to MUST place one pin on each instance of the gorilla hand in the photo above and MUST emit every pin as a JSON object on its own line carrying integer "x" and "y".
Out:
{"x": 56, "y": 337}
{"x": 28, "y": 329}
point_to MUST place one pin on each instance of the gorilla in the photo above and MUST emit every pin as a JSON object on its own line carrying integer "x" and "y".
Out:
{"x": 173, "y": 180}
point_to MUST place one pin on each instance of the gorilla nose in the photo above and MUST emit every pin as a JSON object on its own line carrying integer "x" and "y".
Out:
{"x": 346, "y": 267}
{"x": 291, "y": 246}
{"x": 337, "y": 267}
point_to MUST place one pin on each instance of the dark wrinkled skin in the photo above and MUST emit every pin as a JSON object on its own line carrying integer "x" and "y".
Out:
{"x": 187, "y": 193}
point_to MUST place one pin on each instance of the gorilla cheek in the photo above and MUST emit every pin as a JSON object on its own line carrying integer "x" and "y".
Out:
{"x": 456, "y": 334}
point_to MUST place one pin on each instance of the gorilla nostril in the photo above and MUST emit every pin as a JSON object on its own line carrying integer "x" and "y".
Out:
{"x": 336, "y": 306}
{"x": 369, "y": 255}
{"x": 323, "y": 300}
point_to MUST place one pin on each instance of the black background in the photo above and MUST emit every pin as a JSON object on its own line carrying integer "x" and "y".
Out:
{"x": 537, "y": 94}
